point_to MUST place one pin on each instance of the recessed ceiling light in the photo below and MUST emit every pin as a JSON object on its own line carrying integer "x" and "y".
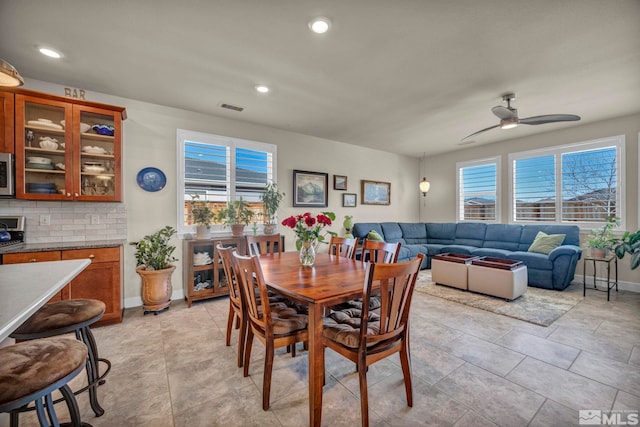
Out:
{"x": 50, "y": 52}
{"x": 262, "y": 88}
{"x": 320, "y": 25}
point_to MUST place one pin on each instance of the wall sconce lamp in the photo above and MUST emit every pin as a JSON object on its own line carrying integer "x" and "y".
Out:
{"x": 424, "y": 186}
{"x": 9, "y": 76}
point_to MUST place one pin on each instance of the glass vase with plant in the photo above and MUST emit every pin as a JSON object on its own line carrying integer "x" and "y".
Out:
{"x": 310, "y": 232}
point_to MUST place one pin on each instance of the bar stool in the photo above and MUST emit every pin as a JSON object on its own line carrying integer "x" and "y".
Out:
{"x": 30, "y": 371}
{"x": 63, "y": 317}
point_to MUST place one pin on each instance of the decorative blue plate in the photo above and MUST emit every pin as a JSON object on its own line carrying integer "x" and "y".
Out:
{"x": 151, "y": 179}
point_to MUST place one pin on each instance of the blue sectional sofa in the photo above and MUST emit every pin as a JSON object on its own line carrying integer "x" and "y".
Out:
{"x": 510, "y": 241}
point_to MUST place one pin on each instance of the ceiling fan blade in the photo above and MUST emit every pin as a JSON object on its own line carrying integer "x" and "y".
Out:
{"x": 480, "y": 131}
{"x": 504, "y": 112}
{"x": 549, "y": 118}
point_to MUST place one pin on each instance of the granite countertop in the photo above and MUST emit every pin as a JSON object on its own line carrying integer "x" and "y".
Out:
{"x": 57, "y": 246}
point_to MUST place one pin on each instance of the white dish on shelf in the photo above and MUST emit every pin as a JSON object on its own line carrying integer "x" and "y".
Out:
{"x": 48, "y": 144}
{"x": 93, "y": 169}
{"x": 60, "y": 166}
{"x": 94, "y": 150}
{"x": 44, "y": 120}
{"x": 46, "y": 124}
{"x": 83, "y": 126}
{"x": 39, "y": 160}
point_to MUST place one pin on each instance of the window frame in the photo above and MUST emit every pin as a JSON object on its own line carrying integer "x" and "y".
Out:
{"x": 617, "y": 141}
{"x": 182, "y": 136}
{"x": 497, "y": 160}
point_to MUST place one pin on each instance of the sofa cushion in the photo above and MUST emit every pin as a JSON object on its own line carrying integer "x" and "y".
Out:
{"x": 532, "y": 260}
{"x": 470, "y": 234}
{"x": 545, "y": 243}
{"x": 414, "y": 232}
{"x": 529, "y": 233}
{"x": 457, "y": 249}
{"x": 392, "y": 232}
{"x": 492, "y": 252}
{"x": 414, "y": 250}
{"x": 434, "y": 248}
{"x": 502, "y": 236}
{"x": 441, "y": 233}
{"x": 361, "y": 229}
{"x": 374, "y": 235}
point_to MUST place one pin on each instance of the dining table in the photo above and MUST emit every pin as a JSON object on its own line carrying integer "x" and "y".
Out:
{"x": 24, "y": 288}
{"x": 331, "y": 280}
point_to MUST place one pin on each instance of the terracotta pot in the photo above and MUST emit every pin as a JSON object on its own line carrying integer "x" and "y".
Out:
{"x": 269, "y": 228}
{"x": 156, "y": 288}
{"x": 598, "y": 252}
{"x": 237, "y": 229}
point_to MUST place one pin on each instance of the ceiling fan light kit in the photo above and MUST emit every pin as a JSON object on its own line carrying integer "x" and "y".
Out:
{"x": 509, "y": 117}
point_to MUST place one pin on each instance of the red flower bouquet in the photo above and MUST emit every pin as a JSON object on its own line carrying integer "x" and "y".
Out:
{"x": 308, "y": 228}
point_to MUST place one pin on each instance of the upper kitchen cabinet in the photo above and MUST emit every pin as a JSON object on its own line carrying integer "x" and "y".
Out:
{"x": 67, "y": 149}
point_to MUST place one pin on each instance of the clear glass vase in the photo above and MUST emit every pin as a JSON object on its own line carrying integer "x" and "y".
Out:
{"x": 307, "y": 254}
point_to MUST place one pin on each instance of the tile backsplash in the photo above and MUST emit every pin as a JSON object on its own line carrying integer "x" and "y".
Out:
{"x": 69, "y": 221}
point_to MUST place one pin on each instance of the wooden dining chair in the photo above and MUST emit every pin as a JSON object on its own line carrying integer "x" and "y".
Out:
{"x": 273, "y": 328}
{"x": 343, "y": 246}
{"x": 267, "y": 244}
{"x": 376, "y": 251}
{"x": 236, "y": 305}
{"x": 365, "y": 337}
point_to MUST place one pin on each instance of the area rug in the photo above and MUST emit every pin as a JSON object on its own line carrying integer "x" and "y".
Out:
{"x": 538, "y": 306}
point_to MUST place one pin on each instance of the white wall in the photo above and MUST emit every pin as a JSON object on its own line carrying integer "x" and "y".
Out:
{"x": 440, "y": 203}
{"x": 150, "y": 140}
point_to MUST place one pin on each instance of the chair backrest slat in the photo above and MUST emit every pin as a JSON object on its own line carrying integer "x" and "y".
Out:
{"x": 267, "y": 244}
{"x": 226, "y": 256}
{"x": 396, "y": 281}
{"x": 376, "y": 251}
{"x": 343, "y": 246}
{"x": 250, "y": 275}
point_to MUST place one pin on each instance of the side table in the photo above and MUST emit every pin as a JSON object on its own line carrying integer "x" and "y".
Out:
{"x": 607, "y": 259}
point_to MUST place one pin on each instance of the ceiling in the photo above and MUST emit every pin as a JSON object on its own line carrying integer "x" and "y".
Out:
{"x": 407, "y": 76}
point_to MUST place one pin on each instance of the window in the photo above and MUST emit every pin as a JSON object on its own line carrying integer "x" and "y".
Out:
{"x": 478, "y": 190}
{"x": 218, "y": 169}
{"x": 578, "y": 183}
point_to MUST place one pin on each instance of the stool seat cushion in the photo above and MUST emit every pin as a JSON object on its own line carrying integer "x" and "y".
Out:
{"x": 34, "y": 365}
{"x": 58, "y": 316}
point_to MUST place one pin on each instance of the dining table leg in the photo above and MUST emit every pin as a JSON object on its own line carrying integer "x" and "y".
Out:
{"x": 316, "y": 364}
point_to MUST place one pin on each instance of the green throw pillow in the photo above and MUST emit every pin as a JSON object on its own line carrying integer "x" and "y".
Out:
{"x": 545, "y": 243}
{"x": 374, "y": 235}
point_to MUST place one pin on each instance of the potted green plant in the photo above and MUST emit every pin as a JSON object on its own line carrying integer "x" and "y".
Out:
{"x": 629, "y": 243}
{"x": 601, "y": 239}
{"x": 237, "y": 214}
{"x": 271, "y": 199}
{"x": 202, "y": 216}
{"x": 154, "y": 255}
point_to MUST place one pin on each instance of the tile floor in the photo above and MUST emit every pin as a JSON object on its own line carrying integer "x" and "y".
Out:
{"x": 470, "y": 368}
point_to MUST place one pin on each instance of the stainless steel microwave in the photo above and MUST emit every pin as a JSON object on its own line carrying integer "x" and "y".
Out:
{"x": 7, "y": 182}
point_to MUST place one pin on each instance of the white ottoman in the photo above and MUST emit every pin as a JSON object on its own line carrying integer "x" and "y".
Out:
{"x": 451, "y": 269}
{"x": 498, "y": 277}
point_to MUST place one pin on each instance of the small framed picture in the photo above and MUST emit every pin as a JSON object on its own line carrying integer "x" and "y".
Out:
{"x": 310, "y": 189}
{"x": 375, "y": 193}
{"x": 339, "y": 182}
{"x": 349, "y": 200}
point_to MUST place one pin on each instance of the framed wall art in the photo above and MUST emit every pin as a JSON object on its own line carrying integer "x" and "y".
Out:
{"x": 349, "y": 200}
{"x": 339, "y": 182}
{"x": 310, "y": 189}
{"x": 375, "y": 193}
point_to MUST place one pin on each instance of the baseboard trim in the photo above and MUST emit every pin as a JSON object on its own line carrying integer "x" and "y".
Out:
{"x": 622, "y": 285}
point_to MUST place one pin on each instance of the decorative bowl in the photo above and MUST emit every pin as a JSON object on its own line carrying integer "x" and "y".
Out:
{"x": 103, "y": 129}
{"x": 94, "y": 150}
{"x": 93, "y": 169}
{"x": 60, "y": 166}
{"x": 48, "y": 144}
{"x": 39, "y": 160}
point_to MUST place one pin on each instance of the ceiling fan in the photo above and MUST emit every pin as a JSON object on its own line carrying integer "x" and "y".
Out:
{"x": 509, "y": 117}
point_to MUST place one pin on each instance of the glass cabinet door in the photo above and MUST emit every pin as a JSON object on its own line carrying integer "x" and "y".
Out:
{"x": 43, "y": 148}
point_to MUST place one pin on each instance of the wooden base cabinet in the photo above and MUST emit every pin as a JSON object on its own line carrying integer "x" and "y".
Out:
{"x": 101, "y": 280}
{"x": 203, "y": 274}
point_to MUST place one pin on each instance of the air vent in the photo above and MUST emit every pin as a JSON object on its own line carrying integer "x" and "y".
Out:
{"x": 231, "y": 107}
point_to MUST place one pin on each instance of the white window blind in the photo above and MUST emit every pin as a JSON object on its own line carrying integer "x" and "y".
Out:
{"x": 478, "y": 183}
{"x": 219, "y": 169}
{"x": 577, "y": 183}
